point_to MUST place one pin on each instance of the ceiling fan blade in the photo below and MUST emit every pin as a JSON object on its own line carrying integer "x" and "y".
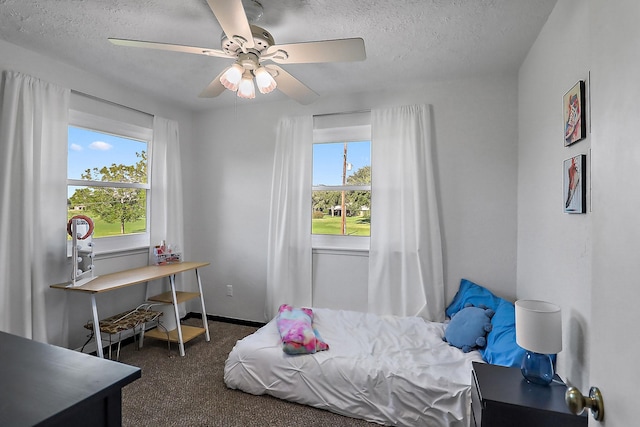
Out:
{"x": 291, "y": 86}
{"x": 215, "y": 88}
{"x": 233, "y": 19}
{"x": 170, "y": 47}
{"x": 320, "y": 51}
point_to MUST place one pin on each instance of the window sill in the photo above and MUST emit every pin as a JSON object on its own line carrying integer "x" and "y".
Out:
{"x": 340, "y": 245}
{"x": 121, "y": 252}
{"x": 113, "y": 246}
{"x": 340, "y": 251}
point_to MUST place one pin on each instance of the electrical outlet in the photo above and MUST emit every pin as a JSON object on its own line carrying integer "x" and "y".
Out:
{"x": 229, "y": 290}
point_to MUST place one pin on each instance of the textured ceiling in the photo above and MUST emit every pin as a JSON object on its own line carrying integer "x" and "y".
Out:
{"x": 406, "y": 40}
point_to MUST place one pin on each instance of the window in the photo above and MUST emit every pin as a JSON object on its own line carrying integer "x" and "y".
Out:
{"x": 341, "y": 192}
{"x": 108, "y": 179}
{"x": 342, "y": 188}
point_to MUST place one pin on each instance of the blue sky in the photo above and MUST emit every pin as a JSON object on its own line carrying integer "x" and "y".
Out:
{"x": 327, "y": 160}
{"x": 89, "y": 149}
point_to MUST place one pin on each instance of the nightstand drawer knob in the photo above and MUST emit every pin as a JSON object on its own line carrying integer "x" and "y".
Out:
{"x": 577, "y": 402}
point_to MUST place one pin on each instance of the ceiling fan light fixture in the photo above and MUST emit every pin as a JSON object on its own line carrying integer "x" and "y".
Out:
{"x": 248, "y": 45}
{"x": 246, "y": 89}
{"x": 264, "y": 80}
{"x": 232, "y": 77}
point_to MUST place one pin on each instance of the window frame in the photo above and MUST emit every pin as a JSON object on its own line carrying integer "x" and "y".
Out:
{"x": 359, "y": 131}
{"x": 128, "y": 242}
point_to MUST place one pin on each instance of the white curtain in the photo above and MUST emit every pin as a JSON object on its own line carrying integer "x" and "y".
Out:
{"x": 289, "y": 247}
{"x": 405, "y": 258}
{"x": 167, "y": 221}
{"x": 33, "y": 195}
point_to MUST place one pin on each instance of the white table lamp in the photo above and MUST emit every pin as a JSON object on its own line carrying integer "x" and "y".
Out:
{"x": 539, "y": 332}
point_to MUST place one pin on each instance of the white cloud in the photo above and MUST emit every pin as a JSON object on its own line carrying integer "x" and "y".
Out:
{"x": 75, "y": 147}
{"x": 100, "y": 145}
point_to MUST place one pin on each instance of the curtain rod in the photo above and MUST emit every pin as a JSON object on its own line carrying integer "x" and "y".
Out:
{"x": 341, "y": 113}
{"x": 77, "y": 92}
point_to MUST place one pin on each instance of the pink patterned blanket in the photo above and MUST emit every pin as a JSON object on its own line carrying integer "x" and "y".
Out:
{"x": 297, "y": 332}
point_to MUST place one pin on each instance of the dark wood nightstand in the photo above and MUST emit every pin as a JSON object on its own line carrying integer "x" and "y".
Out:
{"x": 501, "y": 397}
{"x": 45, "y": 385}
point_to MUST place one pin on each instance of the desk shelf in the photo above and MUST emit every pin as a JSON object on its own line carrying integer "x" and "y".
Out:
{"x": 180, "y": 297}
{"x": 188, "y": 333}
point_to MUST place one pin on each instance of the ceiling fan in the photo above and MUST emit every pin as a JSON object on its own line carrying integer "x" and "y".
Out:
{"x": 251, "y": 46}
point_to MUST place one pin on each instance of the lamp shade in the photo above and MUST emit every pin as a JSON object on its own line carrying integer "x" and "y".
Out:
{"x": 264, "y": 80}
{"x": 231, "y": 78}
{"x": 245, "y": 88}
{"x": 539, "y": 326}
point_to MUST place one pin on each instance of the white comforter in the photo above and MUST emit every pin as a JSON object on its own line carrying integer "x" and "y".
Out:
{"x": 385, "y": 369}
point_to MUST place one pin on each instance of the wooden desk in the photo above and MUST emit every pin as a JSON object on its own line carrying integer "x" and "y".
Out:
{"x": 45, "y": 385}
{"x": 121, "y": 279}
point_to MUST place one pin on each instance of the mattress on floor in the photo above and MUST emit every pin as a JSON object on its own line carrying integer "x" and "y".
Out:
{"x": 385, "y": 369}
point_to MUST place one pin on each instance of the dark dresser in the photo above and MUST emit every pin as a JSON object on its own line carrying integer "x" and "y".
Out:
{"x": 501, "y": 397}
{"x": 45, "y": 385}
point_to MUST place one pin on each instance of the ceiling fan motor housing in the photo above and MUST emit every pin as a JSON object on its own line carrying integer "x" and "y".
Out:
{"x": 262, "y": 40}
{"x": 249, "y": 60}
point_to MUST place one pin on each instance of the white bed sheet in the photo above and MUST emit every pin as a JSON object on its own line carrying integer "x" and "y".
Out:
{"x": 385, "y": 369}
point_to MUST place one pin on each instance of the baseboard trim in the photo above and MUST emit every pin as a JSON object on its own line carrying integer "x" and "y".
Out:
{"x": 226, "y": 320}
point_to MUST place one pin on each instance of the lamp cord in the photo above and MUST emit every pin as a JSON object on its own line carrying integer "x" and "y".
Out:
{"x": 558, "y": 381}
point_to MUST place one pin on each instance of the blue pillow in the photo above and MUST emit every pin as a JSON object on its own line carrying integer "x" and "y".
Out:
{"x": 469, "y": 292}
{"x": 501, "y": 348}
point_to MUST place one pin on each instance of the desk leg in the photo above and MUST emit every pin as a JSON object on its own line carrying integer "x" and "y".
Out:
{"x": 205, "y": 324}
{"x": 96, "y": 326}
{"x": 172, "y": 280}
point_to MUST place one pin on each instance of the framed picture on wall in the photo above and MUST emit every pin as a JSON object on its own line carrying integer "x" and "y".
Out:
{"x": 575, "y": 127}
{"x": 573, "y": 184}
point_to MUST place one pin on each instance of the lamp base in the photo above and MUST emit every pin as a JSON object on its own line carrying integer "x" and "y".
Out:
{"x": 537, "y": 368}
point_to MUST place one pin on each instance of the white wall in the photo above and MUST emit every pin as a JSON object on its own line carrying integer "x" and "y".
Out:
{"x": 65, "y": 327}
{"x": 229, "y": 180}
{"x": 554, "y": 248}
{"x": 340, "y": 279}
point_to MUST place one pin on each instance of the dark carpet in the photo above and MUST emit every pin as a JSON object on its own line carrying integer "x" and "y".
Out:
{"x": 190, "y": 390}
